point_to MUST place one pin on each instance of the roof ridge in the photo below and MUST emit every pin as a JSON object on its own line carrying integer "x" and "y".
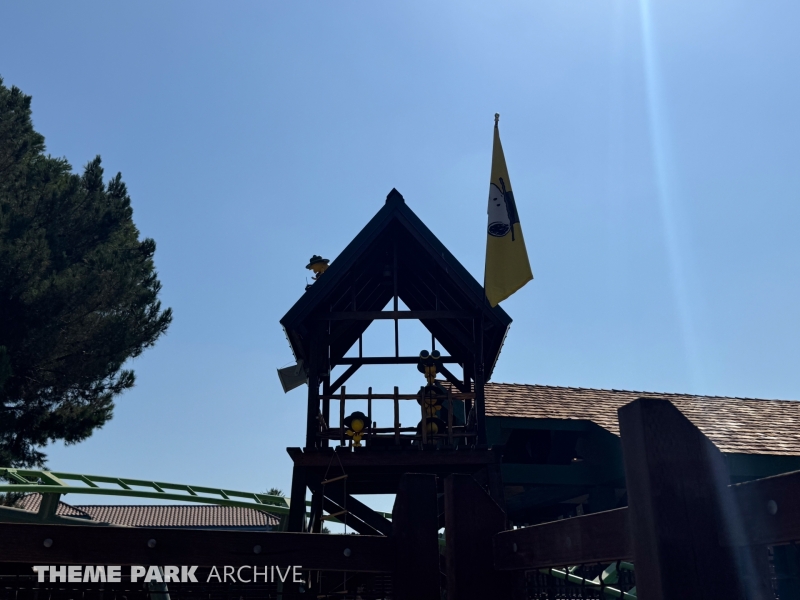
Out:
{"x": 679, "y": 394}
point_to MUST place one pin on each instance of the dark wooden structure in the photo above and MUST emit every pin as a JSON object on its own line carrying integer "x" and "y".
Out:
{"x": 563, "y": 454}
{"x": 395, "y": 258}
{"x": 677, "y": 485}
{"x": 544, "y": 452}
{"x": 340, "y": 566}
{"x": 689, "y": 533}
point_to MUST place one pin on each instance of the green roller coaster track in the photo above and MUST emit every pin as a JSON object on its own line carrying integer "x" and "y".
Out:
{"x": 58, "y": 482}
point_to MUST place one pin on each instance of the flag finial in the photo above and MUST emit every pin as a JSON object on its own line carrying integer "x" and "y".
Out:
{"x": 496, "y": 119}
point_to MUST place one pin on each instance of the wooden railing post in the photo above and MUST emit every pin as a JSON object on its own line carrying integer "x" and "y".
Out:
{"x": 369, "y": 414}
{"x": 424, "y": 426}
{"x": 449, "y": 417}
{"x": 341, "y": 416}
{"x": 472, "y": 518}
{"x": 396, "y": 415}
{"x": 681, "y": 510}
{"x": 415, "y": 525}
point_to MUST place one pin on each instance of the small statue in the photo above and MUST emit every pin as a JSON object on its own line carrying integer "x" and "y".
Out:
{"x": 429, "y": 363}
{"x": 355, "y": 425}
{"x": 317, "y": 264}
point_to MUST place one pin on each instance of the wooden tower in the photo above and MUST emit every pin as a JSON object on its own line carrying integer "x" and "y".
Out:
{"x": 394, "y": 258}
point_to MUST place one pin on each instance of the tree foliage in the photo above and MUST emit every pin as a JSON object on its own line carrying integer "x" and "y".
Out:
{"x": 78, "y": 292}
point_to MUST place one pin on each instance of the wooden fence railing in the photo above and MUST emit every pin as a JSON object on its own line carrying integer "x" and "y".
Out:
{"x": 396, "y": 432}
{"x": 409, "y": 554}
{"x": 689, "y": 534}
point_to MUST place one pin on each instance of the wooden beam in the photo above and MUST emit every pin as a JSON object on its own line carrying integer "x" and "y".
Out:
{"x": 336, "y": 492}
{"x": 336, "y": 511}
{"x": 341, "y": 379}
{"x": 679, "y": 506}
{"x": 451, "y": 328}
{"x": 85, "y": 545}
{"x": 374, "y": 315}
{"x": 415, "y": 523}
{"x": 459, "y": 385}
{"x": 581, "y": 473}
{"x": 472, "y": 518}
{"x": 406, "y": 458}
{"x": 596, "y": 538}
{"x": 771, "y": 510}
{"x": 386, "y": 360}
{"x": 606, "y": 536}
{"x": 373, "y": 396}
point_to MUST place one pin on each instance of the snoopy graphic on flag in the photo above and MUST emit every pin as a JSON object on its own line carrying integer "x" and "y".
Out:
{"x": 502, "y": 210}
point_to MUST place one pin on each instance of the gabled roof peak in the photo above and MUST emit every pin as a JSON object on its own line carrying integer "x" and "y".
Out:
{"x": 395, "y": 197}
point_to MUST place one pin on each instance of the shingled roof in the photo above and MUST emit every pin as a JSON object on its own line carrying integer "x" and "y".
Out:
{"x": 735, "y": 425}
{"x": 201, "y": 516}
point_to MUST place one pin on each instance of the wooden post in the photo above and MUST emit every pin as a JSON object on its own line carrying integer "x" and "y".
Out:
{"x": 326, "y": 407}
{"x": 449, "y": 417}
{"x": 297, "y": 507}
{"x": 341, "y": 417}
{"x": 680, "y": 507}
{"x": 480, "y": 380}
{"x": 415, "y": 523}
{"x": 472, "y": 519}
{"x": 424, "y": 429}
{"x": 312, "y": 423}
{"x": 315, "y": 522}
{"x": 396, "y": 416}
{"x": 369, "y": 413}
{"x": 314, "y": 368}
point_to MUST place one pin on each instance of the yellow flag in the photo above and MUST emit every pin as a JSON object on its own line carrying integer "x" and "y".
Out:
{"x": 507, "y": 266}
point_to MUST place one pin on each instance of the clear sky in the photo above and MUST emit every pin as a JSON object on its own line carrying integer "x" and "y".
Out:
{"x": 653, "y": 149}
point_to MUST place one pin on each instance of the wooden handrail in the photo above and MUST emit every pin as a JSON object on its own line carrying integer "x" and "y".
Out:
{"x": 368, "y": 396}
{"x": 333, "y": 434}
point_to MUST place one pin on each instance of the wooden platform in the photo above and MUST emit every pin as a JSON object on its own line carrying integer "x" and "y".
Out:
{"x": 378, "y": 471}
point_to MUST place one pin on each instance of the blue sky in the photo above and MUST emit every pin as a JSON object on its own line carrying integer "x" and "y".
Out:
{"x": 652, "y": 147}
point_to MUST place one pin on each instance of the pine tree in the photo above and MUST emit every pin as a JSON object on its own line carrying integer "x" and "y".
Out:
{"x": 78, "y": 292}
